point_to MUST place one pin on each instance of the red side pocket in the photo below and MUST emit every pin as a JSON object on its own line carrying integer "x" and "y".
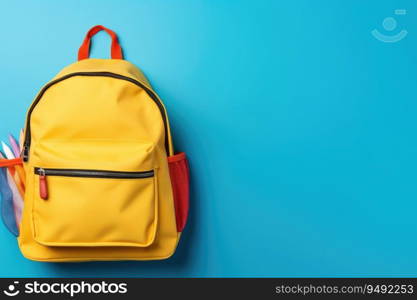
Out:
{"x": 180, "y": 180}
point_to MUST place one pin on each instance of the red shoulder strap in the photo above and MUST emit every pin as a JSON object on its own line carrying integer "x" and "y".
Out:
{"x": 116, "y": 50}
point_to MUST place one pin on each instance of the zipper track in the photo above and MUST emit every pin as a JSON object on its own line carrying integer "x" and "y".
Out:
{"x": 154, "y": 97}
{"x": 93, "y": 173}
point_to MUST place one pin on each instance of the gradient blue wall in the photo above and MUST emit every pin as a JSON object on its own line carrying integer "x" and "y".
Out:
{"x": 300, "y": 127}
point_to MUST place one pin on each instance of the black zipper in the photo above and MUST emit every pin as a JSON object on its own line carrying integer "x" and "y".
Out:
{"x": 154, "y": 97}
{"x": 93, "y": 173}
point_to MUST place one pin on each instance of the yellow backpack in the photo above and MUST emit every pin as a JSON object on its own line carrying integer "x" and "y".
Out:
{"x": 101, "y": 179}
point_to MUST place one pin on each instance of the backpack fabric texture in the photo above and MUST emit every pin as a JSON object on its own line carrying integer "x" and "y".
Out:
{"x": 102, "y": 180}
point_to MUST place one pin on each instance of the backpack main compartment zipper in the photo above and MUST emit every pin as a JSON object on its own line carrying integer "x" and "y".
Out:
{"x": 43, "y": 172}
{"x": 154, "y": 97}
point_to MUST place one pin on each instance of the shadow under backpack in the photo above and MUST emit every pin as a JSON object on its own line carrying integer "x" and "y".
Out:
{"x": 99, "y": 179}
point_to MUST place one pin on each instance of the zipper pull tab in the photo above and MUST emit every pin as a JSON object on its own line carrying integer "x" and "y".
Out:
{"x": 43, "y": 186}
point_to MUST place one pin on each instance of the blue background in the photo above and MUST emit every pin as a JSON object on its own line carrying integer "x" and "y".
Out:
{"x": 300, "y": 127}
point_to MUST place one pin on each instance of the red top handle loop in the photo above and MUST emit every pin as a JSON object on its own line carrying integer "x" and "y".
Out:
{"x": 116, "y": 50}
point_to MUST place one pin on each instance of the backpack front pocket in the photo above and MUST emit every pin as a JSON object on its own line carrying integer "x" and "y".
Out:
{"x": 78, "y": 207}
{"x": 94, "y": 193}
